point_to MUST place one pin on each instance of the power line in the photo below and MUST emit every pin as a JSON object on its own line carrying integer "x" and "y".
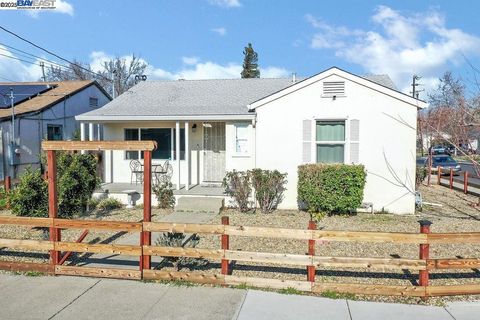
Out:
{"x": 26, "y": 61}
{"x": 52, "y": 53}
{"x": 15, "y": 58}
{"x": 10, "y": 80}
{"x": 28, "y": 55}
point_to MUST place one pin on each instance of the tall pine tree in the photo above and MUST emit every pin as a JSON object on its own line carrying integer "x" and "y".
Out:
{"x": 250, "y": 63}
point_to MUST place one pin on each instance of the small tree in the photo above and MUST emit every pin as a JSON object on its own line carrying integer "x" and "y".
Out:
{"x": 164, "y": 193}
{"x": 269, "y": 187}
{"x": 237, "y": 185}
{"x": 250, "y": 63}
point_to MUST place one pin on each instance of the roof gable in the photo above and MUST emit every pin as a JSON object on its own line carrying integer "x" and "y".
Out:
{"x": 42, "y": 101}
{"x": 371, "y": 82}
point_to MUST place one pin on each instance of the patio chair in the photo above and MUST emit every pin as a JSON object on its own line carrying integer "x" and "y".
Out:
{"x": 137, "y": 171}
{"x": 157, "y": 173}
{"x": 167, "y": 173}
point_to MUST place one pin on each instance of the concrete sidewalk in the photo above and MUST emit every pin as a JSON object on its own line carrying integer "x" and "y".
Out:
{"x": 24, "y": 297}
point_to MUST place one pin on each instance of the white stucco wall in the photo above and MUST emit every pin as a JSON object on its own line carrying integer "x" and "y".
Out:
{"x": 387, "y": 139}
{"x": 31, "y": 128}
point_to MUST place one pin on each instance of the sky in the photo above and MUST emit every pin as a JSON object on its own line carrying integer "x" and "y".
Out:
{"x": 201, "y": 39}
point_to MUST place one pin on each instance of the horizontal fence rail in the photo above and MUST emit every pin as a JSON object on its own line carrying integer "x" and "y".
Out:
{"x": 310, "y": 261}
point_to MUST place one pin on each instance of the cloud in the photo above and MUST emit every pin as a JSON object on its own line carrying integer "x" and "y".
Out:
{"x": 399, "y": 45}
{"x": 221, "y": 31}
{"x": 193, "y": 68}
{"x": 15, "y": 70}
{"x": 61, "y": 6}
{"x": 225, "y": 3}
{"x": 190, "y": 60}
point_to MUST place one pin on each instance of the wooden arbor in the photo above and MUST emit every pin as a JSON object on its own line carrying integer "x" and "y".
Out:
{"x": 146, "y": 146}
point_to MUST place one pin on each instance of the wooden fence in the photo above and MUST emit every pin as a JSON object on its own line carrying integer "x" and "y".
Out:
{"x": 451, "y": 181}
{"x": 424, "y": 265}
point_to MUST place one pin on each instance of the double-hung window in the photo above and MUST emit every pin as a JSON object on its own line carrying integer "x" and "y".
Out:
{"x": 165, "y": 138}
{"x": 330, "y": 141}
{"x": 241, "y": 138}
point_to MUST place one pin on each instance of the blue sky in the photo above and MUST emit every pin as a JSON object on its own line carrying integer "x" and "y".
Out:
{"x": 204, "y": 38}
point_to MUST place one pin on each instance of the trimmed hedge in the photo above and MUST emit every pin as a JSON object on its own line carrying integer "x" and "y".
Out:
{"x": 331, "y": 188}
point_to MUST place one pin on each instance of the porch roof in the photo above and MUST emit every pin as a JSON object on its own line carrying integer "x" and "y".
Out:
{"x": 156, "y": 100}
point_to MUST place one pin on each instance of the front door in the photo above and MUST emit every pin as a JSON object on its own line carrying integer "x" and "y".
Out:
{"x": 214, "y": 151}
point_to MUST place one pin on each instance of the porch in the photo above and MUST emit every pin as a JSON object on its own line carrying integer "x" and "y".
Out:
{"x": 190, "y": 155}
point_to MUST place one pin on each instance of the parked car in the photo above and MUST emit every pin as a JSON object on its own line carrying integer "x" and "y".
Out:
{"x": 440, "y": 150}
{"x": 446, "y": 163}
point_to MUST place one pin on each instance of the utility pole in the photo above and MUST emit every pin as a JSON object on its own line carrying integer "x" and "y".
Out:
{"x": 13, "y": 115}
{"x": 114, "y": 72}
{"x": 42, "y": 65}
{"x": 415, "y": 93}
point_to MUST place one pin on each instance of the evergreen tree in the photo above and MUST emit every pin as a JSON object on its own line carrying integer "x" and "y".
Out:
{"x": 250, "y": 63}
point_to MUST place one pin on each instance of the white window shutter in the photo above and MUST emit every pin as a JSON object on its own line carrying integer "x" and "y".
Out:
{"x": 355, "y": 141}
{"x": 307, "y": 141}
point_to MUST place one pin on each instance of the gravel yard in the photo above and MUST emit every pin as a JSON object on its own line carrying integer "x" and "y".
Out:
{"x": 454, "y": 212}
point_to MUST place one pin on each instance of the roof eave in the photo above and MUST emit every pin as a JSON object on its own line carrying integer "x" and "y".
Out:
{"x": 125, "y": 118}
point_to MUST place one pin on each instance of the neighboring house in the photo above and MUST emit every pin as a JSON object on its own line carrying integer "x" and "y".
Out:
{"x": 239, "y": 124}
{"x": 42, "y": 111}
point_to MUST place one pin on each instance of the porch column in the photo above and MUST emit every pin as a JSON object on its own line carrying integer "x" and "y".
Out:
{"x": 177, "y": 151}
{"x": 82, "y": 133}
{"x": 187, "y": 155}
{"x": 91, "y": 132}
{"x": 99, "y": 132}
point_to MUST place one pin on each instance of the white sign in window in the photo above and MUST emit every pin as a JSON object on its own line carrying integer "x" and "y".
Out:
{"x": 241, "y": 138}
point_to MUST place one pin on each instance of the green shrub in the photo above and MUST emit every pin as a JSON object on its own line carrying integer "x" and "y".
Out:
{"x": 331, "y": 188}
{"x": 77, "y": 179}
{"x": 238, "y": 186}
{"x": 420, "y": 175}
{"x": 108, "y": 204}
{"x": 269, "y": 187}
{"x": 30, "y": 197}
{"x": 164, "y": 195}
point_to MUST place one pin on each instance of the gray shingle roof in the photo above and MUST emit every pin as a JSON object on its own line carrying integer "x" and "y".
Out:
{"x": 198, "y": 97}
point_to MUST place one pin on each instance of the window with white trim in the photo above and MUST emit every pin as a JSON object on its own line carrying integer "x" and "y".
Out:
{"x": 330, "y": 141}
{"x": 241, "y": 138}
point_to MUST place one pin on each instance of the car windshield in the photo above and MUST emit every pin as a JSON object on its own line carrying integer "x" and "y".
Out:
{"x": 443, "y": 159}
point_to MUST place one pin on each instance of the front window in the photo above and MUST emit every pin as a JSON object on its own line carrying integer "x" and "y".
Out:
{"x": 330, "y": 141}
{"x": 241, "y": 138}
{"x": 54, "y": 132}
{"x": 165, "y": 138}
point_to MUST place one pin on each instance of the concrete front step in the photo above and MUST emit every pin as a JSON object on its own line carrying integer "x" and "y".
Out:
{"x": 199, "y": 204}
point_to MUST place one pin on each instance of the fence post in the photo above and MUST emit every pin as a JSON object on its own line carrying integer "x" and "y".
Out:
{"x": 451, "y": 178}
{"x": 465, "y": 182}
{"x": 7, "y": 185}
{"x": 225, "y": 245}
{"x": 424, "y": 252}
{"x": 311, "y": 251}
{"x": 146, "y": 236}
{"x": 53, "y": 203}
{"x": 439, "y": 175}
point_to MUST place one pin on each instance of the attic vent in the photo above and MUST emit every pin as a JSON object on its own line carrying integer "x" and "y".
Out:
{"x": 333, "y": 88}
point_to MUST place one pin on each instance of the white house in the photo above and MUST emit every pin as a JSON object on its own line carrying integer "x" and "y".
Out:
{"x": 41, "y": 111}
{"x": 221, "y": 125}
